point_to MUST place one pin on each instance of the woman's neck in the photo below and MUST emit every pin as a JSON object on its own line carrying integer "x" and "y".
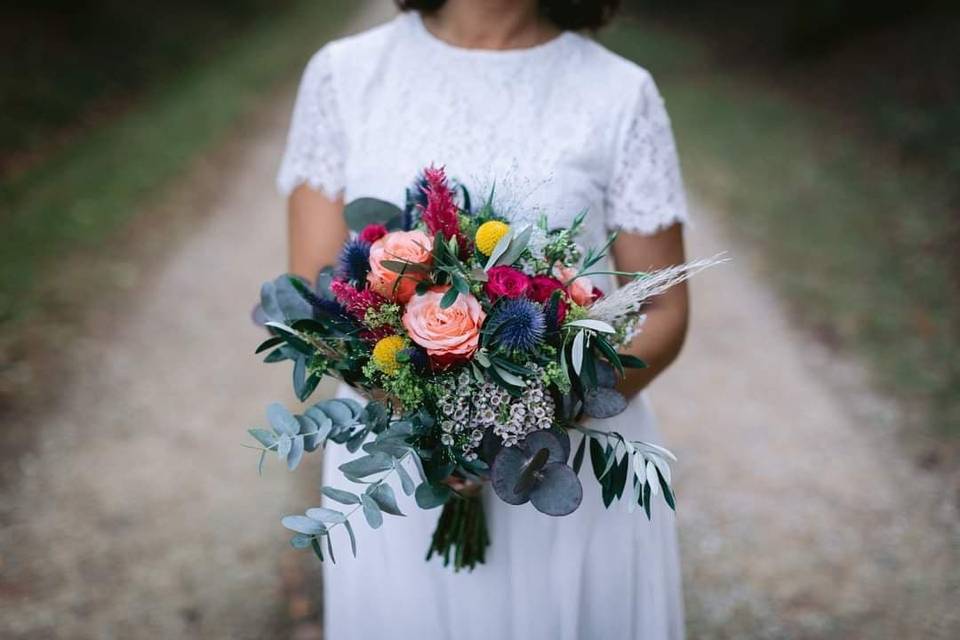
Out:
{"x": 490, "y": 24}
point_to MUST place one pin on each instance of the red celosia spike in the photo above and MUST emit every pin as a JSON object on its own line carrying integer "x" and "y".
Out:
{"x": 440, "y": 214}
{"x": 356, "y": 301}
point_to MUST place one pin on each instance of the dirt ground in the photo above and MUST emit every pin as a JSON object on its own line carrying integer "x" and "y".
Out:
{"x": 135, "y": 513}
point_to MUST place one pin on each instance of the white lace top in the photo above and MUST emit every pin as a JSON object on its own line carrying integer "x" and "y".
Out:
{"x": 559, "y": 127}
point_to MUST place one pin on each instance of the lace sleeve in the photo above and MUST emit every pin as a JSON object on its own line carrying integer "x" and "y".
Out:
{"x": 645, "y": 193}
{"x": 315, "y": 144}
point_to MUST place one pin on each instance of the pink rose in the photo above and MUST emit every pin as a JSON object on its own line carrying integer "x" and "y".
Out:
{"x": 405, "y": 246}
{"x": 580, "y": 290}
{"x": 507, "y": 282}
{"x": 373, "y": 232}
{"x": 449, "y": 335}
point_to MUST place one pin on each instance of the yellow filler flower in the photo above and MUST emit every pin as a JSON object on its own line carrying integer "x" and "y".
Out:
{"x": 385, "y": 353}
{"x": 489, "y": 234}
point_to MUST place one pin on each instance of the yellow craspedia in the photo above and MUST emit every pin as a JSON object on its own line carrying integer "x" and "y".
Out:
{"x": 489, "y": 234}
{"x": 385, "y": 353}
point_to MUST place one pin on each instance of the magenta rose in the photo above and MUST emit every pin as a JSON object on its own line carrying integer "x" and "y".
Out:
{"x": 542, "y": 287}
{"x": 506, "y": 282}
{"x": 373, "y": 232}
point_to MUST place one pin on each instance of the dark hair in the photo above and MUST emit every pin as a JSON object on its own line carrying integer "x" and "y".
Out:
{"x": 572, "y": 15}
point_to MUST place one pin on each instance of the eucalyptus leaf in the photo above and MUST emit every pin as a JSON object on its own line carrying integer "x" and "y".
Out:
{"x": 371, "y": 511}
{"x": 326, "y": 516}
{"x": 296, "y": 453}
{"x": 406, "y": 482}
{"x": 303, "y": 524}
{"x": 367, "y": 465}
{"x": 339, "y": 495}
{"x": 282, "y": 420}
{"x": 264, "y": 437}
{"x": 383, "y": 495}
{"x": 430, "y": 496}
{"x": 300, "y": 541}
{"x": 284, "y": 444}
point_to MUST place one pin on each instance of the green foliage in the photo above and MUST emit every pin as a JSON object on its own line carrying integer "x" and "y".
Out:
{"x": 81, "y": 194}
{"x": 844, "y": 229}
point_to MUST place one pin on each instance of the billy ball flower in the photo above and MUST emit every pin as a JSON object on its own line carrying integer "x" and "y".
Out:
{"x": 353, "y": 263}
{"x": 385, "y": 353}
{"x": 489, "y": 234}
{"x": 516, "y": 325}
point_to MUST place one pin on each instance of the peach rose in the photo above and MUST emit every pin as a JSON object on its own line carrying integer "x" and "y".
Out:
{"x": 449, "y": 335}
{"x": 580, "y": 290}
{"x": 405, "y": 246}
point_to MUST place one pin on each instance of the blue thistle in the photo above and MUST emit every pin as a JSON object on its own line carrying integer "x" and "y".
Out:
{"x": 354, "y": 261}
{"x": 418, "y": 359}
{"x": 516, "y": 325}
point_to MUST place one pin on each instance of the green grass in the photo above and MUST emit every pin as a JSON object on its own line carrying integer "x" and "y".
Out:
{"x": 859, "y": 247}
{"x": 79, "y": 198}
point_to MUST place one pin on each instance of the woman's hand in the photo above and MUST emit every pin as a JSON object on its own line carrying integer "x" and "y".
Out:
{"x": 665, "y": 327}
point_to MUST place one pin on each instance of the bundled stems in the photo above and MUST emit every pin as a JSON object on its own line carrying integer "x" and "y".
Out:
{"x": 461, "y": 533}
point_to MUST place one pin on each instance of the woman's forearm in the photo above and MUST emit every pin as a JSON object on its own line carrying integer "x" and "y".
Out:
{"x": 662, "y": 335}
{"x": 660, "y": 340}
{"x": 316, "y": 231}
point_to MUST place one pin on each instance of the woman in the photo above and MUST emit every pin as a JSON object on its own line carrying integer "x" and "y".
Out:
{"x": 504, "y": 90}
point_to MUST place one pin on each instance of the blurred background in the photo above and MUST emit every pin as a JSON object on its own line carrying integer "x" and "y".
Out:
{"x": 816, "y": 410}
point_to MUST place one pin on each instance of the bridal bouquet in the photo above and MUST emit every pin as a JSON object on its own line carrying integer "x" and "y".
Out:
{"x": 481, "y": 343}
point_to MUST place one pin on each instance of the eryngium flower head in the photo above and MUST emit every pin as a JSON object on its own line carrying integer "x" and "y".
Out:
{"x": 516, "y": 325}
{"x": 354, "y": 261}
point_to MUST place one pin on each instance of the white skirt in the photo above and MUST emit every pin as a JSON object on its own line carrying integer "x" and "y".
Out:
{"x": 597, "y": 573}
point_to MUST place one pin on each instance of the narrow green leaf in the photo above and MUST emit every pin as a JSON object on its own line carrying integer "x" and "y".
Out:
{"x": 667, "y": 492}
{"x": 576, "y": 352}
{"x": 353, "y": 537}
{"x": 330, "y": 549}
{"x": 270, "y": 342}
{"x": 597, "y": 458}
{"x": 317, "y": 549}
{"x": 578, "y": 456}
{"x": 632, "y": 362}
{"x": 449, "y": 298}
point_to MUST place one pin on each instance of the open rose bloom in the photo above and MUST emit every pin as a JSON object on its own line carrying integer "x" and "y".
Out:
{"x": 490, "y": 349}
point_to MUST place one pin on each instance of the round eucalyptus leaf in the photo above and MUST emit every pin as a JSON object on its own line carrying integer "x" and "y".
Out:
{"x": 603, "y": 403}
{"x": 559, "y": 491}
{"x": 606, "y": 375}
{"x": 507, "y": 468}
{"x": 339, "y": 412}
{"x": 546, "y": 439}
{"x": 355, "y": 407}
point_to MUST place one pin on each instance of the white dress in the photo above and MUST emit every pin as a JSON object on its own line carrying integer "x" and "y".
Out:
{"x": 559, "y": 127}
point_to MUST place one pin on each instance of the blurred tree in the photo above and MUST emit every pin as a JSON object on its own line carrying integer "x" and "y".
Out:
{"x": 63, "y": 62}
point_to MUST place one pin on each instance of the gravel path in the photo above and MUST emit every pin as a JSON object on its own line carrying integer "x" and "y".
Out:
{"x": 137, "y": 515}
